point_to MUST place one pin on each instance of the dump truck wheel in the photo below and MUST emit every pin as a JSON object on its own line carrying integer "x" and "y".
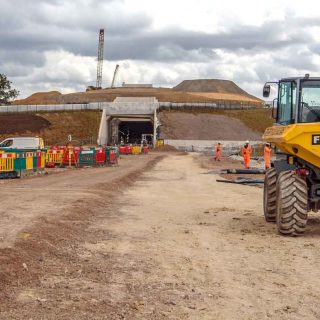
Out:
{"x": 270, "y": 195}
{"x": 291, "y": 204}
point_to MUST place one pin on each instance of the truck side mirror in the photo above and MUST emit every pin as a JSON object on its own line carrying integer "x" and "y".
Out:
{"x": 266, "y": 90}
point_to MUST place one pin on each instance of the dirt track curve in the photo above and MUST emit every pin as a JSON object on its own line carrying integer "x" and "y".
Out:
{"x": 176, "y": 244}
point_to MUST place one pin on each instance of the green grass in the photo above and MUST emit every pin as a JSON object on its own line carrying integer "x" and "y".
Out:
{"x": 83, "y": 127}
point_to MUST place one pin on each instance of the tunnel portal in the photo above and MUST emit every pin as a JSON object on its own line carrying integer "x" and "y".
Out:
{"x": 131, "y": 131}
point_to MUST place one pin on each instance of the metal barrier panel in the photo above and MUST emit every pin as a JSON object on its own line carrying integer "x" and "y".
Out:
{"x": 129, "y": 149}
{"x": 159, "y": 143}
{"x": 7, "y": 162}
{"x": 29, "y": 160}
{"x": 71, "y": 156}
{"x": 117, "y": 151}
{"x": 39, "y": 159}
{"x": 36, "y": 159}
{"x": 20, "y": 162}
{"x": 87, "y": 158}
{"x": 122, "y": 150}
{"x": 43, "y": 160}
{"x": 113, "y": 159}
{"x": 54, "y": 157}
{"x": 111, "y": 155}
{"x": 100, "y": 156}
{"x": 136, "y": 150}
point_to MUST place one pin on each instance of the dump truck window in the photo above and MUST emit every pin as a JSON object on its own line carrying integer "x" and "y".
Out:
{"x": 310, "y": 101}
{"x": 286, "y": 105}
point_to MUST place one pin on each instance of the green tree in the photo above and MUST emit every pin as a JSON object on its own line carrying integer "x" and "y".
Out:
{"x": 6, "y": 93}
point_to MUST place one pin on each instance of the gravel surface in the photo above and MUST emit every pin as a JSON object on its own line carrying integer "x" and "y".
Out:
{"x": 154, "y": 238}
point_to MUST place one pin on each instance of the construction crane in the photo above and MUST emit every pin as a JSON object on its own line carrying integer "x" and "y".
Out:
{"x": 100, "y": 59}
{"x": 115, "y": 75}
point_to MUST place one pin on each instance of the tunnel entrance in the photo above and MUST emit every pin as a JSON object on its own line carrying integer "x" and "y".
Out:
{"x": 131, "y": 131}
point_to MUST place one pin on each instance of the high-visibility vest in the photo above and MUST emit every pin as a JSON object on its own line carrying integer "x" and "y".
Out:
{"x": 246, "y": 151}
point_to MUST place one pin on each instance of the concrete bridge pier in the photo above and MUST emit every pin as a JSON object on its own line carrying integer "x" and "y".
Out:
{"x": 103, "y": 135}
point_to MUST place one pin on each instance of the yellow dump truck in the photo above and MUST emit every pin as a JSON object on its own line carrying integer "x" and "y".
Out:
{"x": 292, "y": 184}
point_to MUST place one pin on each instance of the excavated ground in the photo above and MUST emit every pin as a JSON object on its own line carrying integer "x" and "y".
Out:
{"x": 22, "y": 123}
{"x": 155, "y": 238}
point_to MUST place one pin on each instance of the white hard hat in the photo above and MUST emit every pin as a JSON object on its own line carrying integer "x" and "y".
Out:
{"x": 247, "y": 141}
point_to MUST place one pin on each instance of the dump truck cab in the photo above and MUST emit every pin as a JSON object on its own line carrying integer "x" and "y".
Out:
{"x": 298, "y": 100}
{"x": 294, "y": 179}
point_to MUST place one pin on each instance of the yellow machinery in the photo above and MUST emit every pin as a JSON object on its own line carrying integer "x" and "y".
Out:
{"x": 292, "y": 184}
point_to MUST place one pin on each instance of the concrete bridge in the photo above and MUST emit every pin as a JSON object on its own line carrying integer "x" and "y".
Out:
{"x": 128, "y": 118}
{"x": 125, "y": 118}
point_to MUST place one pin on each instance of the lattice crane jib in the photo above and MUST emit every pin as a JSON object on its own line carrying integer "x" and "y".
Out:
{"x": 100, "y": 58}
{"x": 114, "y": 76}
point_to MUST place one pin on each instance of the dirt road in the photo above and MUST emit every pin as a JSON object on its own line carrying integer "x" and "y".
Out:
{"x": 175, "y": 245}
{"x": 25, "y": 202}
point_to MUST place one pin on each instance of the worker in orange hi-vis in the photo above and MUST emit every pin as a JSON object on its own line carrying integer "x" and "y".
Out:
{"x": 266, "y": 155}
{"x": 218, "y": 151}
{"x": 246, "y": 153}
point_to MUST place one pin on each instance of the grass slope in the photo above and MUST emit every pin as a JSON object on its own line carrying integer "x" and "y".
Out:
{"x": 83, "y": 126}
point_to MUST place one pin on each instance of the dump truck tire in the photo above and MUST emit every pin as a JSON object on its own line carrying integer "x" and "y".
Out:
{"x": 270, "y": 195}
{"x": 291, "y": 204}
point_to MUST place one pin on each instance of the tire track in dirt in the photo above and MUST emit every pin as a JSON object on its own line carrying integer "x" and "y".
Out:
{"x": 46, "y": 274}
{"x": 187, "y": 247}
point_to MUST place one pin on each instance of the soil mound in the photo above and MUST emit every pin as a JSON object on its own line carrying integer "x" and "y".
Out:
{"x": 188, "y": 91}
{"x": 51, "y": 97}
{"x": 211, "y": 86}
{"x": 22, "y": 123}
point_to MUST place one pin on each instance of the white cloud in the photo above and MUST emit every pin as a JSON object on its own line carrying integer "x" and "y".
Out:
{"x": 53, "y": 44}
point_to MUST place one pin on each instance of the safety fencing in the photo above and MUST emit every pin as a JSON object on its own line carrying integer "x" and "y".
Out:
{"x": 134, "y": 107}
{"x": 19, "y": 162}
{"x": 134, "y": 150}
{"x": 13, "y": 162}
{"x": 16, "y": 163}
{"x": 83, "y": 157}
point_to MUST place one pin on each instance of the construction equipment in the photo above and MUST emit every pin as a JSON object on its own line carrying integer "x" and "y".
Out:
{"x": 99, "y": 63}
{"x": 100, "y": 59}
{"x": 292, "y": 184}
{"x": 147, "y": 139}
{"x": 114, "y": 76}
